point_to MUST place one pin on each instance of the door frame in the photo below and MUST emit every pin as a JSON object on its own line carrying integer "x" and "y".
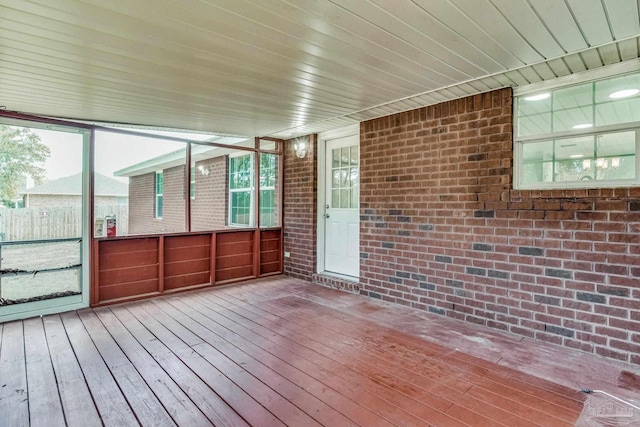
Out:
{"x": 323, "y": 137}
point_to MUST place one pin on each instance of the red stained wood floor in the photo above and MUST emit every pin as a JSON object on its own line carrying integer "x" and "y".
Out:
{"x": 281, "y": 351}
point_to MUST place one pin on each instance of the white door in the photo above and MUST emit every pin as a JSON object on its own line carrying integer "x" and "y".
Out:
{"x": 342, "y": 213}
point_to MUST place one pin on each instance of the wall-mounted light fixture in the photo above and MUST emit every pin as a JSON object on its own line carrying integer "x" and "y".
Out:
{"x": 301, "y": 145}
{"x": 204, "y": 171}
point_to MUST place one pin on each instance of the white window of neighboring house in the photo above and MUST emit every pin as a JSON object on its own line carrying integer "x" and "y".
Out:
{"x": 192, "y": 182}
{"x": 242, "y": 189}
{"x": 241, "y": 186}
{"x": 268, "y": 173}
{"x": 585, "y": 135}
{"x": 159, "y": 189}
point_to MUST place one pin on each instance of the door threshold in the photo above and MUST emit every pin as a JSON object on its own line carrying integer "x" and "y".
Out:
{"x": 337, "y": 281}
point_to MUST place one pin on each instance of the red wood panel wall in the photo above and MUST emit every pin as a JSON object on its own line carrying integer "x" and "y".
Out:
{"x": 234, "y": 255}
{"x": 136, "y": 267}
{"x": 187, "y": 260}
{"x": 270, "y": 252}
{"x": 127, "y": 268}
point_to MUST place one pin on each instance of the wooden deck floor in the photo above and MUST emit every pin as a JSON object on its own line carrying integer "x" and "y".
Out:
{"x": 269, "y": 353}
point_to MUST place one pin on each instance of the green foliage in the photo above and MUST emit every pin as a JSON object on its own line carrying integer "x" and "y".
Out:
{"x": 21, "y": 154}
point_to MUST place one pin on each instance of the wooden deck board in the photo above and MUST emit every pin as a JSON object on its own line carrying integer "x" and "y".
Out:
{"x": 271, "y": 352}
{"x": 446, "y": 378}
{"x": 332, "y": 408}
{"x": 269, "y": 398}
{"x": 158, "y": 340}
{"x": 361, "y": 370}
{"x": 203, "y": 399}
{"x": 77, "y": 402}
{"x": 532, "y": 397}
{"x": 45, "y": 407}
{"x": 396, "y": 392}
{"x": 147, "y": 408}
{"x": 350, "y": 382}
{"x": 111, "y": 403}
{"x": 14, "y": 404}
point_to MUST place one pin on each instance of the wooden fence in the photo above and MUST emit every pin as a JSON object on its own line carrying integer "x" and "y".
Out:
{"x": 55, "y": 223}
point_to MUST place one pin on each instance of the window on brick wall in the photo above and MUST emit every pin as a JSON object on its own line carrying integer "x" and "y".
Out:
{"x": 159, "y": 189}
{"x": 580, "y": 136}
{"x": 192, "y": 182}
{"x": 242, "y": 190}
{"x": 268, "y": 174}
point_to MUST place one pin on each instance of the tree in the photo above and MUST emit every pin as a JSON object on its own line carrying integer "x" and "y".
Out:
{"x": 21, "y": 154}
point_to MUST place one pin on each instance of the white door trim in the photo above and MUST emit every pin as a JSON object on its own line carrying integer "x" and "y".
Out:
{"x": 321, "y": 187}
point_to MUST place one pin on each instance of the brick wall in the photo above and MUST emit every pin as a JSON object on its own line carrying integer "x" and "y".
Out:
{"x": 442, "y": 231}
{"x": 142, "y": 202}
{"x": 210, "y": 206}
{"x": 300, "y": 203}
{"x": 173, "y": 211}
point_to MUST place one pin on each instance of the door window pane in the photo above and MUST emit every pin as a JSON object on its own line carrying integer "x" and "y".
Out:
{"x": 345, "y": 177}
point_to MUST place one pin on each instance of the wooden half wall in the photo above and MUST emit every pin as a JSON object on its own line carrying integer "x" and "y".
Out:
{"x": 134, "y": 267}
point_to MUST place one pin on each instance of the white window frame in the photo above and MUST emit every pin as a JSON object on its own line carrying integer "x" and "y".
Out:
{"x": 268, "y": 188}
{"x": 192, "y": 181}
{"x": 562, "y": 83}
{"x": 251, "y": 190}
{"x": 158, "y": 195}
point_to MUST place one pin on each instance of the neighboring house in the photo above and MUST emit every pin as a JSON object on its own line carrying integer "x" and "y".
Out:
{"x": 220, "y": 188}
{"x": 67, "y": 191}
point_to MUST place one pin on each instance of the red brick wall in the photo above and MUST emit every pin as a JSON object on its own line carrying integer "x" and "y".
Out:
{"x": 142, "y": 204}
{"x": 277, "y": 213}
{"x": 300, "y": 202}
{"x": 210, "y": 206}
{"x": 442, "y": 231}
{"x": 173, "y": 211}
{"x": 142, "y": 201}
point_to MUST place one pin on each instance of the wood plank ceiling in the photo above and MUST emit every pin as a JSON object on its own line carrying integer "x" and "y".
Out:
{"x": 285, "y": 68}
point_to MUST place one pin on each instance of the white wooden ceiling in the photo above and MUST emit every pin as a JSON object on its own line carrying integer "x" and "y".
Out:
{"x": 285, "y": 68}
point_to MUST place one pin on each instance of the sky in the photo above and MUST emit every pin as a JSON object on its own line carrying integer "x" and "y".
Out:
{"x": 112, "y": 151}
